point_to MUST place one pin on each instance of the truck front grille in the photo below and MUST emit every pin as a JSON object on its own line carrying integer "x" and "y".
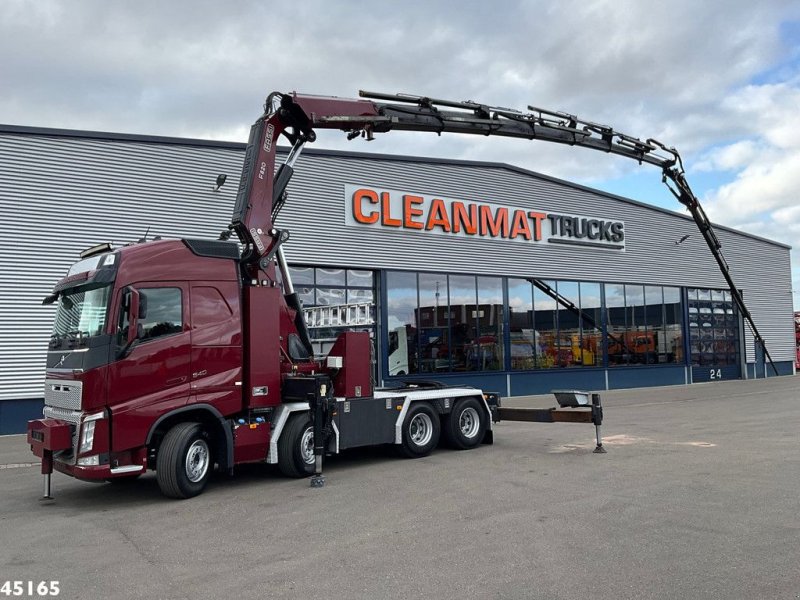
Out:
{"x": 63, "y": 393}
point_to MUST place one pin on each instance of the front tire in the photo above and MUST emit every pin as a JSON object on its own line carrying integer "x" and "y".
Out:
{"x": 465, "y": 426}
{"x": 421, "y": 430}
{"x": 184, "y": 461}
{"x": 296, "y": 447}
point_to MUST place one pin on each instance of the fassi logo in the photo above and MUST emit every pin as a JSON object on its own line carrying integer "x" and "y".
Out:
{"x": 393, "y": 209}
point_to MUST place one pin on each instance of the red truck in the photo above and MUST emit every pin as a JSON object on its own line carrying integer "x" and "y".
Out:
{"x": 185, "y": 355}
{"x": 161, "y": 358}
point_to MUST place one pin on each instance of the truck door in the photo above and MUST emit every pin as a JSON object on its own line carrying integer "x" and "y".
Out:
{"x": 154, "y": 375}
{"x": 216, "y": 345}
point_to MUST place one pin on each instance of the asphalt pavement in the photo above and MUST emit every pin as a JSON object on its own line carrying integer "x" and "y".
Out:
{"x": 697, "y": 497}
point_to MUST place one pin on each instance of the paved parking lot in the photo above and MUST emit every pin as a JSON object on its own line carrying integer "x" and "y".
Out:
{"x": 698, "y": 497}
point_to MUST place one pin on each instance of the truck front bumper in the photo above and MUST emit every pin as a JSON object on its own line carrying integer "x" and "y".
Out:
{"x": 49, "y": 435}
{"x": 55, "y": 442}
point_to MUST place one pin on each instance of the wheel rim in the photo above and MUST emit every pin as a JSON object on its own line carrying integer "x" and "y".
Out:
{"x": 197, "y": 461}
{"x": 420, "y": 430}
{"x": 469, "y": 422}
{"x": 307, "y": 446}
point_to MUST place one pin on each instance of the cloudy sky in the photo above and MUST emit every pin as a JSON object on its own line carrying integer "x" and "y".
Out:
{"x": 719, "y": 80}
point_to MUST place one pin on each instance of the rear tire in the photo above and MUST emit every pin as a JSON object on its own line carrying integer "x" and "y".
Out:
{"x": 184, "y": 461}
{"x": 465, "y": 426}
{"x": 421, "y": 430}
{"x": 296, "y": 447}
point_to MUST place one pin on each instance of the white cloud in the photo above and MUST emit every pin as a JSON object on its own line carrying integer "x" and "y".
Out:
{"x": 764, "y": 196}
{"x": 729, "y": 158}
{"x": 685, "y": 72}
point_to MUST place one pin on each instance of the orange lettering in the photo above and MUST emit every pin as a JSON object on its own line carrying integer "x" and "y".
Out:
{"x": 520, "y": 225}
{"x": 438, "y": 216}
{"x": 460, "y": 216}
{"x": 494, "y": 224}
{"x": 388, "y": 221}
{"x": 358, "y": 215}
{"x": 409, "y": 213}
{"x": 537, "y": 223}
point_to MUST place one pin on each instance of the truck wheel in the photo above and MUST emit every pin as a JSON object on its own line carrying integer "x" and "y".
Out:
{"x": 184, "y": 461}
{"x": 296, "y": 447}
{"x": 465, "y": 426}
{"x": 421, "y": 429}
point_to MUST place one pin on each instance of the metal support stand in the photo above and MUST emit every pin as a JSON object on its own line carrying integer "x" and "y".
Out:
{"x": 597, "y": 419}
{"x": 47, "y": 471}
{"x": 318, "y": 417}
{"x": 318, "y": 479}
{"x": 599, "y": 448}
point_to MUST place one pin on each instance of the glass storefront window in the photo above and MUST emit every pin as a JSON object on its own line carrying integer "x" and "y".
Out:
{"x": 520, "y": 324}
{"x": 320, "y": 290}
{"x": 306, "y": 295}
{"x": 644, "y": 324}
{"x": 640, "y": 343}
{"x": 401, "y": 310}
{"x": 330, "y": 277}
{"x": 590, "y": 352}
{"x": 302, "y": 275}
{"x": 616, "y": 324}
{"x": 433, "y": 320}
{"x": 486, "y": 353}
{"x": 457, "y": 322}
{"x": 359, "y": 278}
{"x": 360, "y": 296}
{"x": 567, "y": 324}
{"x": 545, "y": 322}
{"x": 442, "y": 323}
{"x": 330, "y": 296}
{"x": 673, "y": 325}
{"x": 713, "y": 328}
{"x": 463, "y": 318}
{"x": 568, "y": 340}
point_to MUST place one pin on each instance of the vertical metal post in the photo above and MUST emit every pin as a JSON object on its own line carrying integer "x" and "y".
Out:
{"x": 597, "y": 419}
{"x": 47, "y": 470}
{"x": 315, "y": 401}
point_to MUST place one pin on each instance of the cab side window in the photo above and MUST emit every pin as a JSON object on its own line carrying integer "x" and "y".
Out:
{"x": 164, "y": 314}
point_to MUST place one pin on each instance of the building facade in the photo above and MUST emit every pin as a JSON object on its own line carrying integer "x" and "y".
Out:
{"x": 464, "y": 272}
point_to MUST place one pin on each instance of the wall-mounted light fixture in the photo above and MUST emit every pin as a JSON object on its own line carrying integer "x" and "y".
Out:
{"x": 683, "y": 239}
{"x": 220, "y": 181}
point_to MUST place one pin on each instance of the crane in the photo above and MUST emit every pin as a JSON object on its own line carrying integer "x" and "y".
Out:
{"x": 262, "y": 190}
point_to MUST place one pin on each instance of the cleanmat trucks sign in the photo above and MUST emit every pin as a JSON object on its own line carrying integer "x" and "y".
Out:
{"x": 427, "y": 214}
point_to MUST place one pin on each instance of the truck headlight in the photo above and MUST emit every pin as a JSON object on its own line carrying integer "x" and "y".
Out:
{"x": 87, "y": 432}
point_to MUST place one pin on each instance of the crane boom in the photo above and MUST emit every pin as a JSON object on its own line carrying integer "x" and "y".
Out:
{"x": 262, "y": 189}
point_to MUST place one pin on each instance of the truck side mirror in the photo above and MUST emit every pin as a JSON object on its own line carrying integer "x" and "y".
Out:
{"x": 134, "y": 313}
{"x": 142, "y": 305}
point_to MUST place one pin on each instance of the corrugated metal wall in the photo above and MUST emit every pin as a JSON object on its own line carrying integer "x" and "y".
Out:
{"x": 60, "y": 194}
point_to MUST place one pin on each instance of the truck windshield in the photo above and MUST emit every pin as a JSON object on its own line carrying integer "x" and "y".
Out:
{"x": 81, "y": 315}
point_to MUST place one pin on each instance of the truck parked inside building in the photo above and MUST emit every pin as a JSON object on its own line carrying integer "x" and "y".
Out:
{"x": 633, "y": 347}
{"x": 179, "y": 355}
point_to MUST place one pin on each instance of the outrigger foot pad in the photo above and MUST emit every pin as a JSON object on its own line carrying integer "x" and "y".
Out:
{"x": 599, "y": 450}
{"x": 317, "y": 481}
